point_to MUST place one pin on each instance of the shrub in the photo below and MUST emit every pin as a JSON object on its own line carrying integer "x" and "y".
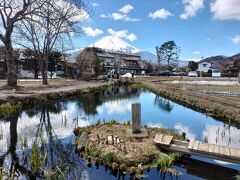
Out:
{"x": 109, "y": 158}
{"x": 165, "y": 162}
{"x": 94, "y": 152}
{"x": 217, "y": 111}
{"x": 86, "y": 76}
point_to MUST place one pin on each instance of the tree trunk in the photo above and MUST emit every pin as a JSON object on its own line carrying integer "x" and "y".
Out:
{"x": 43, "y": 71}
{"x": 44, "y": 78}
{"x": 11, "y": 66}
{"x": 35, "y": 70}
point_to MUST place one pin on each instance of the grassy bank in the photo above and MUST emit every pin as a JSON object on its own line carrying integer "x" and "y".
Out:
{"x": 224, "y": 108}
{"x": 133, "y": 156}
{"x": 14, "y": 105}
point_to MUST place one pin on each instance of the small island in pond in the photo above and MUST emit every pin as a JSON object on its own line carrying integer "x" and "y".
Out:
{"x": 127, "y": 147}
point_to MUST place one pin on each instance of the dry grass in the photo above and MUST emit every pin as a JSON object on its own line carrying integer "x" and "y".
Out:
{"x": 143, "y": 151}
{"x": 208, "y": 103}
{"x": 33, "y": 84}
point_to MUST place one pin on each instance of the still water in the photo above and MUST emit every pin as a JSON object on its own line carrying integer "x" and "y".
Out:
{"x": 55, "y": 123}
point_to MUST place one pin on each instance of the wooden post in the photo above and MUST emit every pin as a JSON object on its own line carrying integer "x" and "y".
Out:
{"x": 136, "y": 118}
{"x": 124, "y": 147}
{"x": 116, "y": 140}
{"x": 107, "y": 139}
{"x": 120, "y": 145}
{"x": 112, "y": 140}
{"x": 98, "y": 137}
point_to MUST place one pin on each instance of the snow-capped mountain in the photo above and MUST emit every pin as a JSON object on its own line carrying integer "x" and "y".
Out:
{"x": 114, "y": 43}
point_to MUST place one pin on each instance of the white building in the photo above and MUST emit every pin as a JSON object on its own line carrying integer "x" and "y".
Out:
{"x": 204, "y": 66}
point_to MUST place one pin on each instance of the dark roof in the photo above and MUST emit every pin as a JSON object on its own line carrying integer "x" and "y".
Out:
{"x": 131, "y": 58}
{"x": 105, "y": 54}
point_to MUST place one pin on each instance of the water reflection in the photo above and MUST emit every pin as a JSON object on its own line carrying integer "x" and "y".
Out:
{"x": 56, "y": 121}
{"x": 163, "y": 104}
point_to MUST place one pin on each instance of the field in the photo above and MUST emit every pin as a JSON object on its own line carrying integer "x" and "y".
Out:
{"x": 199, "y": 96}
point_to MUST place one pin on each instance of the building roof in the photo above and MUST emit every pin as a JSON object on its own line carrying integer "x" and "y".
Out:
{"x": 105, "y": 54}
{"x": 131, "y": 58}
{"x": 204, "y": 61}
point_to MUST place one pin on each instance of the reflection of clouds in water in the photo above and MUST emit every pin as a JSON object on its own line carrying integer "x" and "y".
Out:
{"x": 181, "y": 128}
{"x": 222, "y": 135}
{"x": 27, "y": 126}
{"x": 4, "y": 130}
{"x": 159, "y": 125}
{"x": 222, "y": 162}
{"x": 111, "y": 107}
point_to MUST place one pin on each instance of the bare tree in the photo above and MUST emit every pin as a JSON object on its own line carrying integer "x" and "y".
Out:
{"x": 12, "y": 12}
{"x": 86, "y": 60}
{"x": 46, "y": 31}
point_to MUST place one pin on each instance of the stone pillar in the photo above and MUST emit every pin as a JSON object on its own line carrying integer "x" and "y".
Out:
{"x": 136, "y": 118}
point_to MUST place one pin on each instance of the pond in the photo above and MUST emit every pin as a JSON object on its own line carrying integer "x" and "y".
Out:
{"x": 54, "y": 122}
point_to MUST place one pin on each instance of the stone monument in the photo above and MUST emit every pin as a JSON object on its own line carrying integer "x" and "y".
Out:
{"x": 136, "y": 118}
{"x": 137, "y": 131}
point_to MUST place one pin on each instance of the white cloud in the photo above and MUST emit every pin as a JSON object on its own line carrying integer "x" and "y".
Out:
{"x": 191, "y": 8}
{"x": 126, "y": 9}
{"x": 160, "y": 14}
{"x": 123, "y": 34}
{"x": 208, "y": 39}
{"x": 92, "y": 32}
{"x": 226, "y": 9}
{"x": 196, "y": 52}
{"x": 132, "y": 37}
{"x": 95, "y": 4}
{"x": 105, "y": 15}
{"x": 236, "y": 39}
{"x": 119, "y": 16}
{"x": 181, "y": 128}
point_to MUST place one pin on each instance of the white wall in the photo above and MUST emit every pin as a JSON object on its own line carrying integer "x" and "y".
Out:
{"x": 204, "y": 66}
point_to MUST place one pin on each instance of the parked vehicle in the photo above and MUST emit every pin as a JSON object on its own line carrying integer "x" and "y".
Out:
{"x": 216, "y": 73}
{"x": 127, "y": 75}
{"x": 175, "y": 74}
{"x": 192, "y": 74}
{"x": 163, "y": 73}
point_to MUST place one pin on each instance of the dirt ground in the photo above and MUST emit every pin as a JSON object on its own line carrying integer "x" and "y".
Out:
{"x": 29, "y": 88}
{"x": 127, "y": 150}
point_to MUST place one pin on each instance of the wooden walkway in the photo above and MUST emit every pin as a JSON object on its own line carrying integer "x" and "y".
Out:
{"x": 212, "y": 151}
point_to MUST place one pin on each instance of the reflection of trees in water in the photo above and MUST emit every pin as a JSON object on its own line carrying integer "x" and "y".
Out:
{"x": 57, "y": 154}
{"x": 163, "y": 104}
{"x": 224, "y": 133}
{"x": 55, "y": 108}
{"x": 90, "y": 102}
{"x": 14, "y": 163}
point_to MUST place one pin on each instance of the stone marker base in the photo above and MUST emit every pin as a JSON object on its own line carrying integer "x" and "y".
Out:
{"x": 142, "y": 134}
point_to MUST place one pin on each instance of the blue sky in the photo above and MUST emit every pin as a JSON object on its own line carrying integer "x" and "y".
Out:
{"x": 201, "y": 28}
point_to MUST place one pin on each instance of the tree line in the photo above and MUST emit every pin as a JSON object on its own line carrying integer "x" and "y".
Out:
{"x": 43, "y": 26}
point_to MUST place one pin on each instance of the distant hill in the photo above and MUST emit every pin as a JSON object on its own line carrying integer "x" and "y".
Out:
{"x": 224, "y": 62}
